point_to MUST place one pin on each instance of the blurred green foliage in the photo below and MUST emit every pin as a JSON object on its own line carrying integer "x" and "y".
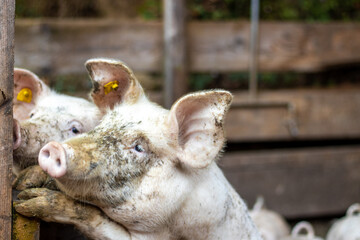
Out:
{"x": 150, "y": 9}
{"x": 337, "y": 77}
{"x": 57, "y": 8}
{"x": 289, "y": 10}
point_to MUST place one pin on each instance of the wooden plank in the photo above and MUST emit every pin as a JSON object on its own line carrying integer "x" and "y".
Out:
{"x": 283, "y": 46}
{"x": 7, "y": 19}
{"x": 25, "y": 228}
{"x": 318, "y": 114}
{"x": 62, "y": 46}
{"x": 175, "y": 72}
{"x": 298, "y": 183}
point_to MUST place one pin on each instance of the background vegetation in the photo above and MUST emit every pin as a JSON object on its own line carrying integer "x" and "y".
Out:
{"x": 304, "y": 10}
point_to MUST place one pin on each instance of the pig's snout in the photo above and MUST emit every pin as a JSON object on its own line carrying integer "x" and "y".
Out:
{"x": 16, "y": 134}
{"x": 52, "y": 159}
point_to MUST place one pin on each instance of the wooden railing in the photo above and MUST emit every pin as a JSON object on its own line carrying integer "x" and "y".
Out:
{"x": 62, "y": 46}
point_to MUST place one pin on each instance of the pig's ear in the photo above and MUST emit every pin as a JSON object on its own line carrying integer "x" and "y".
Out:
{"x": 113, "y": 83}
{"x": 196, "y": 124}
{"x": 27, "y": 90}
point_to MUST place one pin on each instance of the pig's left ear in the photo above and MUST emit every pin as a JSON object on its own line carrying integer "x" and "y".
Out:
{"x": 113, "y": 83}
{"x": 196, "y": 124}
{"x": 27, "y": 90}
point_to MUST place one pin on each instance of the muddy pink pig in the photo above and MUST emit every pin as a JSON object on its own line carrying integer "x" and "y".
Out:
{"x": 43, "y": 115}
{"x": 150, "y": 172}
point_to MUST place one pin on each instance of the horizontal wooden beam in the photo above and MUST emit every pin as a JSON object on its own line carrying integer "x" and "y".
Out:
{"x": 62, "y": 46}
{"x": 298, "y": 183}
{"x": 295, "y": 115}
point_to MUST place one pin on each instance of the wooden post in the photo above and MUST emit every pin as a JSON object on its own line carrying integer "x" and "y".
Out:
{"x": 175, "y": 58}
{"x": 7, "y": 19}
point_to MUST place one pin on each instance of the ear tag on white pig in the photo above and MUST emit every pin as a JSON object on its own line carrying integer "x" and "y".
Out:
{"x": 25, "y": 95}
{"x": 111, "y": 86}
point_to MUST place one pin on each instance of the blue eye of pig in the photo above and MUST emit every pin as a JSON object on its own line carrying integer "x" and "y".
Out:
{"x": 139, "y": 148}
{"x": 31, "y": 115}
{"x": 75, "y": 130}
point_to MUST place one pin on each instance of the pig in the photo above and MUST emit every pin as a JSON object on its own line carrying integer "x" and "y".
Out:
{"x": 348, "y": 227}
{"x": 306, "y": 228}
{"x": 147, "y": 172}
{"x": 42, "y": 115}
{"x": 271, "y": 225}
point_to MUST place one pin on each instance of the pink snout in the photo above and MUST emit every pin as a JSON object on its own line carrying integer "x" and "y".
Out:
{"x": 52, "y": 159}
{"x": 16, "y": 134}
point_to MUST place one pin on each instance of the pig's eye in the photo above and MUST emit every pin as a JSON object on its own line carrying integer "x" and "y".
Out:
{"x": 75, "y": 130}
{"x": 139, "y": 148}
{"x": 74, "y": 127}
{"x": 31, "y": 115}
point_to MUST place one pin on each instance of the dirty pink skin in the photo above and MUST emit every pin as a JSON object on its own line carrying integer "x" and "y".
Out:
{"x": 48, "y": 117}
{"x": 152, "y": 172}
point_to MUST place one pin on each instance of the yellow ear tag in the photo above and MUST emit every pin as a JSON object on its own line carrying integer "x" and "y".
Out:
{"x": 111, "y": 86}
{"x": 25, "y": 95}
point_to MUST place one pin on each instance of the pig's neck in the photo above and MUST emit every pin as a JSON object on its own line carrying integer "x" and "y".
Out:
{"x": 214, "y": 211}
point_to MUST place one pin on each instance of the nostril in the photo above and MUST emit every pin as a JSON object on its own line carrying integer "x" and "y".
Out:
{"x": 58, "y": 162}
{"x": 46, "y": 153}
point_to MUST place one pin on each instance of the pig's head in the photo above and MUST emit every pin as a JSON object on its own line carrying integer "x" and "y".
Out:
{"x": 142, "y": 154}
{"x": 42, "y": 115}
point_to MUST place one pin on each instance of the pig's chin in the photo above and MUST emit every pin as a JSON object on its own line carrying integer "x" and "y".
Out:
{"x": 23, "y": 162}
{"x": 81, "y": 190}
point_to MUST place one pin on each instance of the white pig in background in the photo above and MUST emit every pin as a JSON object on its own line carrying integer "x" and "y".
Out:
{"x": 151, "y": 171}
{"x": 271, "y": 225}
{"x": 348, "y": 227}
{"x": 42, "y": 115}
{"x": 302, "y": 231}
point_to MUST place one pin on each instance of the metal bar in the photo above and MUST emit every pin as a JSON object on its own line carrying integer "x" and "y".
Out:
{"x": 175, "y": 72}
{"x": 7, "y": 26}
{"x": 254, "y": 31}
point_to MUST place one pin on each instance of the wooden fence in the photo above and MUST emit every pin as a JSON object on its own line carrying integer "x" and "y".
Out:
{"x": 62, "y": 47}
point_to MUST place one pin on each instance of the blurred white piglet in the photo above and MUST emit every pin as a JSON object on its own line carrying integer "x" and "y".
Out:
{"x": 306, "y": 228}
{"x": 271, "y": 225}
{"x": 348, "y": 227}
